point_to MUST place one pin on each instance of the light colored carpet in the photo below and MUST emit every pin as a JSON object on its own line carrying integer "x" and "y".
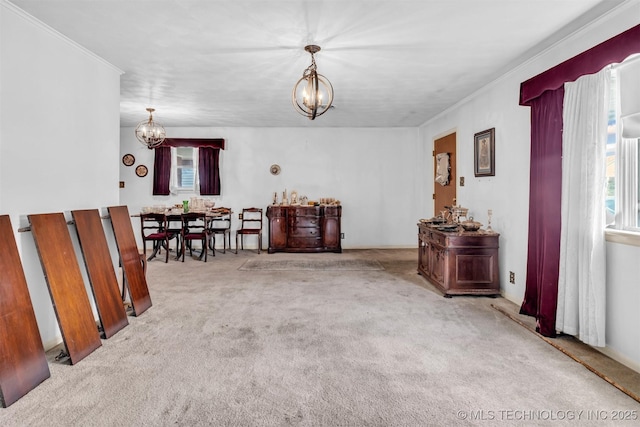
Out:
{"x": 311, "y": 265}
{"x": 616, "y": 374}
{"x": 226, "y": 347}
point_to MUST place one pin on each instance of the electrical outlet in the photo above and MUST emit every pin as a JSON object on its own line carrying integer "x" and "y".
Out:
{"x": 342, "y": 235}
{"x": 512, "y": 277}
{"x": 121, "y": 184}
{"x": 462, "y": 181}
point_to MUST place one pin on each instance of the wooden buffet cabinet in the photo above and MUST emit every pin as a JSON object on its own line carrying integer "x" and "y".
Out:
{"x": 459, "y": 262}
{"x": 304, "y": 228}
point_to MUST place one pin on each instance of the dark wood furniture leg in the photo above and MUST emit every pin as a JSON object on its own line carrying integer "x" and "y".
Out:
{"x": 23, "y": 364}
{"x": 66, "y": 286}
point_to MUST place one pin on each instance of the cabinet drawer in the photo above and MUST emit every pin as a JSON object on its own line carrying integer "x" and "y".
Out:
{"x": 304, "y": 242}
{"x": 304, "y": 221}
{"x": 304, "y": 231}
{"x": 473, "y": 241}
{"x": 306, "y": 211}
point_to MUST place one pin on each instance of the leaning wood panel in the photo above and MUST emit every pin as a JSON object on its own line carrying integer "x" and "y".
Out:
{"x": 102, "y": 277}
{"x": 66, "y": 286}
{"x": 22, "y": 361}
{"x": 130, "y": 259}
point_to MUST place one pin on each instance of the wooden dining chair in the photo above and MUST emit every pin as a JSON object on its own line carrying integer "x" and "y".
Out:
{"x": 195, "y": 227}
{"x": 250, "y": 224}
{"x": 154, "y": 228}
{"x": 174, "y": 225}
{"x": 220, "y": 225}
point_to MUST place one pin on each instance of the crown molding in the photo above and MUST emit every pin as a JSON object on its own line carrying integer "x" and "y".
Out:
{"x": 39, "y": 24}
{"x": 582, "y": 24}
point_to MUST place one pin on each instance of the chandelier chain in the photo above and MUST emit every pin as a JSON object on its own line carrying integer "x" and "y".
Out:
{"x": 310, "y": 68}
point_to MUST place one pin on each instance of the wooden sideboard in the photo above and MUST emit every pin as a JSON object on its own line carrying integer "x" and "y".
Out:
{"x": 459, "y": 262}
{"x": 304, "y": 228}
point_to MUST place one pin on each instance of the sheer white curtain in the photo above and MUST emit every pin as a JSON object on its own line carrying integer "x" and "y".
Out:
{"x": 581, "y": 284}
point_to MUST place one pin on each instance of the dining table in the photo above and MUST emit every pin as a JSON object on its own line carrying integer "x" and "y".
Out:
{"x": 174, "y": 221}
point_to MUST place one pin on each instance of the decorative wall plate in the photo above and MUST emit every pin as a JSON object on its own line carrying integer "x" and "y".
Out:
{"x": 274, "y": 169}
{"x": 141, "y": 171}
{"x": 128, "y": 159}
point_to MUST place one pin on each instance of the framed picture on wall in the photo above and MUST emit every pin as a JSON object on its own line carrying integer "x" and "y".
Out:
{"x": 484, "y": 158}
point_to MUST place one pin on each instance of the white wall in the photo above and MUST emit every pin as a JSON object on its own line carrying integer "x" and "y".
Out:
{"x": 377, "y": 174}
{"x": 59, "y": 138}
{"x": 507, "y": 194}
{"x": 623, "y": 300}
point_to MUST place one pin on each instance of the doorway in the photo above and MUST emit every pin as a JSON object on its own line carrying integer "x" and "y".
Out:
{"x": 444, "y": 194}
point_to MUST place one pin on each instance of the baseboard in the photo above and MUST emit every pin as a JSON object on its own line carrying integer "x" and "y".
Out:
{"x": 381, "y": 247}
{"x": 608, "y": 351}
{"x": 52, "y": 343}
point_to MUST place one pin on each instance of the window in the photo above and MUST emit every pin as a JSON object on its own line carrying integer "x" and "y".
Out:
{"x": 184, "y": 165}
{"x": 184, "y": 170}
{"x": 623, "y": 161}
{"x": 612, "y": 143}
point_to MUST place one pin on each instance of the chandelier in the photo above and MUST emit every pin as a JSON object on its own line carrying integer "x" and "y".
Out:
{"x": 150, "y": 133}
{"x": 313, "y": 93}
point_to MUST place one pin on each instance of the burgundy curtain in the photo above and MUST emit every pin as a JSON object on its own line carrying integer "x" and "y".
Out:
{"x": 208, "y": 171}
{"x": 161, "y": 170}
{"x": 541, "y": 294}
{"x": 545, "y": 93}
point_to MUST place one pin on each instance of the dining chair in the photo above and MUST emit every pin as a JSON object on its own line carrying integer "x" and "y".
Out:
{"x": 154, "y": 228}
{"x": 194, "y": 227}
{"x": 174, "y": 225}
{"x": 220, "y": 225}
{"x": 250, "y": 224}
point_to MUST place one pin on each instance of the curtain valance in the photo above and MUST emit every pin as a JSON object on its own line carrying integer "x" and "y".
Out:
{"x": 195, "y": 142}
{"x": 612, "y": 51}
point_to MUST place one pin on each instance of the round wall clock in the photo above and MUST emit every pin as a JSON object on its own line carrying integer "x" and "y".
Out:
{"x": 128, "y": 159}
{"x": 274, "y": 169}
{"x": 141, "y": 171}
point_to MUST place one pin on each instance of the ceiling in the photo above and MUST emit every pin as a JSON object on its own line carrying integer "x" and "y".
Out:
{"x": 225, "y": 63}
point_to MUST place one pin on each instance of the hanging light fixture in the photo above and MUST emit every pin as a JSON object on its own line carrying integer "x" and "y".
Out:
{"x": 313, "y": 93}
{"x": 150, "y": 133}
